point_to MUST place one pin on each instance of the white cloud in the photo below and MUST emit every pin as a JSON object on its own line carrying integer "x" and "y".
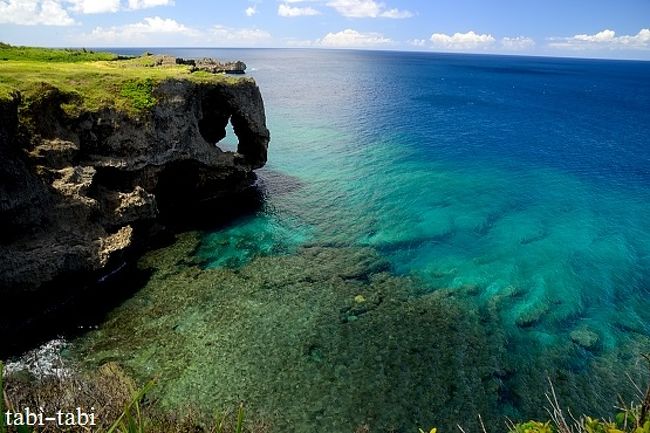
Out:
{"x": 604, "y": 36}
{"x": 366, "y": 9}
{"x": 462, "y": 41}
{"x": 34, "y": 12}
{"x": 396, "y": 14}
{"x": 156, "y": 32}
{"x": 517, "y": 43}
{"x": 474, "y": 41}
{"x": 229, "y": 36}
{"x": 284, "y": 10}
{"x": 418, "y": 42}
{"x": 250, "y": 11}
{"x": 144, "y": 4}
{"x": 606, "y": 39}
{"x": 94, "y": 6}
{"x": 153, "y": 30}
{"x": 57, "y": 12}
{"x": 353, "y": 39}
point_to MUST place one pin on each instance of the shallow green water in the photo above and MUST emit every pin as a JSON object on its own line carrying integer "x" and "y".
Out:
{"x": 328, "y": 338}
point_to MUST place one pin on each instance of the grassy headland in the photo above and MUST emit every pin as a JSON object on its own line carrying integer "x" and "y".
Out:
{"x": 94, "y": 80}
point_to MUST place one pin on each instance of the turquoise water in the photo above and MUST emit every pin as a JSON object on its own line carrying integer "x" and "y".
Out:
{"x": 522, "y": 181}
{"x": 508, "y": 173}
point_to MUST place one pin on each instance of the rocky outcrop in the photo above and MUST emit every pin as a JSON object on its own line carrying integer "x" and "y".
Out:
{"x": 216, "y": 67}
{"x": 205, "y": 64}
{"x": 79, "y": 192}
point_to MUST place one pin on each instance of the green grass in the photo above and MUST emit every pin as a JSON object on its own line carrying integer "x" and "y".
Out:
{"x": 9, "y": 52}
{"x": 93, "y": 80}
{"x": 6, "y": 92}
{"x": 140, "y": 93}
{"x": 135, "y": 419}
{"x": 131, "y": 420}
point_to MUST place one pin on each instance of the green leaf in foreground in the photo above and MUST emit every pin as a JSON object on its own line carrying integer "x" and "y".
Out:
{"x": 128, "y": 421}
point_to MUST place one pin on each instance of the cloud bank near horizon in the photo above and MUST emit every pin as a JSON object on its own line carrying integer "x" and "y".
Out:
{"x": 364, "y": 24}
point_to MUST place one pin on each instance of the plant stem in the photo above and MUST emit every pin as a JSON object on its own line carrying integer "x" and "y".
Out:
{"x": 3, "y": 427}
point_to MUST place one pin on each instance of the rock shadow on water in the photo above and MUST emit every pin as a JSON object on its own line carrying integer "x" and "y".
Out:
{"x": 258, "y": 231}
{"x": 275, "y": 182}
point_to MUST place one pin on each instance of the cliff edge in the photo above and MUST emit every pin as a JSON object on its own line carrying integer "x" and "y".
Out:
{"x": 94, "y": 153}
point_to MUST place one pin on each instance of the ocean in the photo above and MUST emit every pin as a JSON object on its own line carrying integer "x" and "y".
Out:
{"x": 440, "y": 236}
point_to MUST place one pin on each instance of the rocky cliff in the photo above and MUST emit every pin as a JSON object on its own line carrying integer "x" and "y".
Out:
{"x": 81, "y": 189}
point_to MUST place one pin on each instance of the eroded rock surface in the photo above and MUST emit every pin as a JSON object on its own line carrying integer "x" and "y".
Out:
{"x": 206, "y": 64}
{"x": 77, "y": 190}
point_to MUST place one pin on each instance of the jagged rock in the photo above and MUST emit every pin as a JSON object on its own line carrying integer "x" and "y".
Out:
{"x": 206, "y": 64}
{"x": 21, "y": 190}
{"x": 74, "y": 182}
{"x": 116, "y": 242}
{"x": 165, "y": 61}
{"x": 55, "y": 153}
{"x": 134, "y": 206}
{"x": 215, "y": 67}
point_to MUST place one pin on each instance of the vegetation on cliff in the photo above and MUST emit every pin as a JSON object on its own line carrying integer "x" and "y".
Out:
{"x": 94, "y": 80}
{"x": 10, "y": 52}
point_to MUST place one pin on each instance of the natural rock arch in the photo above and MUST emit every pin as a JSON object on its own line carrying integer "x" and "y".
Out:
{"x": 242, "y": 105}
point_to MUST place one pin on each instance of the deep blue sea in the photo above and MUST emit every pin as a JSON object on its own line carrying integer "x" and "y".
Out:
{"x": 525, "y": 178}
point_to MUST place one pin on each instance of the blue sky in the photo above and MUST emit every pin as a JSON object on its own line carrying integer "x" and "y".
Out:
{"x": 581, "y": 28}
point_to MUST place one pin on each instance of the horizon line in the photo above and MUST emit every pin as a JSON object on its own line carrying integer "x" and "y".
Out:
{"x": 396, "y": 50}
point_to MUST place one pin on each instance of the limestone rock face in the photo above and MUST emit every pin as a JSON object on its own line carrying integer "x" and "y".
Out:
{"x": 215, "y": 67}
{"x": 77, "y": 190}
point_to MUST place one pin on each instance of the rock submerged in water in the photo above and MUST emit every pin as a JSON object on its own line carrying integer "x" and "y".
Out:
{"x": 585, "y": 337}
{"x": 79, "y": 193}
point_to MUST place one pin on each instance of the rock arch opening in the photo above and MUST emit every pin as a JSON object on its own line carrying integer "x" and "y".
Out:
{"x": 229, "y": 143}
{"x": 234, "y": 122}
